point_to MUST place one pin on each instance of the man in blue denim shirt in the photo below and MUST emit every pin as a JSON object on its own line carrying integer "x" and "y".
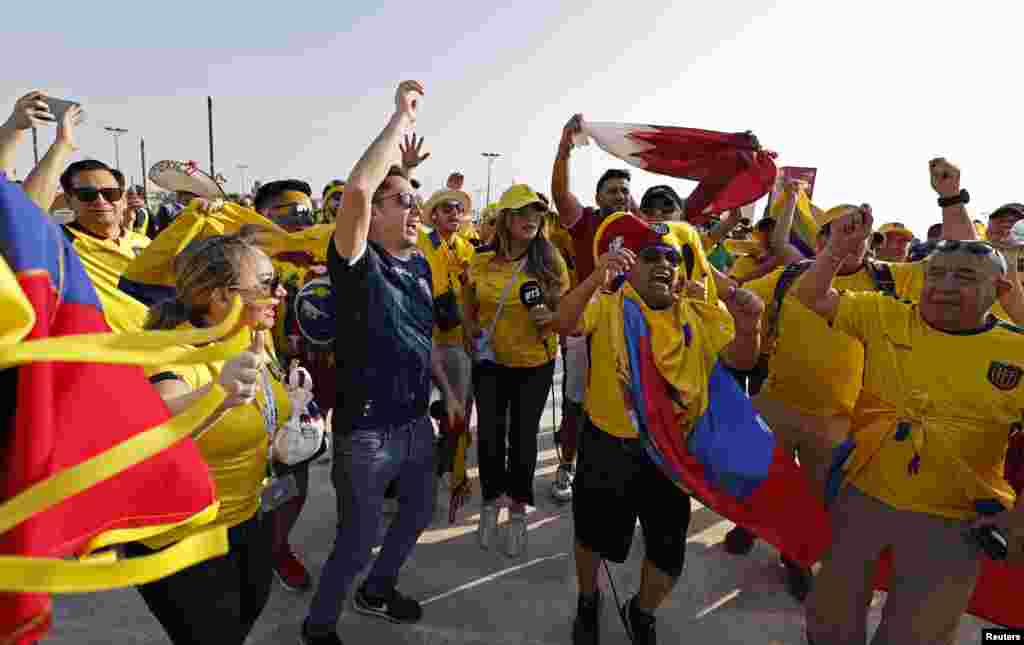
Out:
{"x": 385, "y": 362}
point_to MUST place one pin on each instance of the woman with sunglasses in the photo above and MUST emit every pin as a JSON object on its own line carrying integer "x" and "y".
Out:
{"x": 513, "y": 290}
{"x": 218, "y": 601}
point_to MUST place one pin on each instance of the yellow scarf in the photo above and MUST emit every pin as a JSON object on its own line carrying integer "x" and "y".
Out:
{"x": 147, "y": 348}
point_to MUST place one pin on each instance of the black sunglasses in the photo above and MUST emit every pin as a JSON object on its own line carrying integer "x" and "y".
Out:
{"x": 267, "y": 288}
{"x": 405, "y": 200}
{"x": 535, "y": 208}
{"x": 89, "y": 195}
{"x": 974, "y": 247}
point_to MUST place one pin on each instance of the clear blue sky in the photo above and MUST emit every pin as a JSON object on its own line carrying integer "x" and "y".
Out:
{"x": 866, "y": 91}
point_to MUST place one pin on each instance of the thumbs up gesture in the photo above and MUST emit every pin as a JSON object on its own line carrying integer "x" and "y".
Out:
{"x": 240, "y": 377}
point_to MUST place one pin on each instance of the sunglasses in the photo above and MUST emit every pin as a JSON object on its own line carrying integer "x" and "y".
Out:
{"x": 653, "y": 254}
{"x": 405, "y": 200}
{"x": 293, "y": 210}
{"x": 89, "y": 195}
{"x": 267, "y": 288}
{"x": 974, "y": 247}
{"x": 452, "y": 207}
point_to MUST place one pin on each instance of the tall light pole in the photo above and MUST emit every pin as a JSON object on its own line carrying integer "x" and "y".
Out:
{"x": 117, "y": 132}
{"x": 242, "y": 168}
{"x": 490, "y": 156}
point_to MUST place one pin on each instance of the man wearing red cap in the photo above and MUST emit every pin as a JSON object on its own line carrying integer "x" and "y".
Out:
{"x": 617, "y": 483}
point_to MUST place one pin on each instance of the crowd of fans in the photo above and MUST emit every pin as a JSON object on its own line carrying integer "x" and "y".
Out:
{"x": 901, "y": 355}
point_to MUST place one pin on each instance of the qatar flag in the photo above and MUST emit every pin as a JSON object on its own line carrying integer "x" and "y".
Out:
{"x": 731, "y": 169}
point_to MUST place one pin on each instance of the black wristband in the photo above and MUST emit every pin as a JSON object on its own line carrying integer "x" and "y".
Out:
{"x": 963, "y": 197}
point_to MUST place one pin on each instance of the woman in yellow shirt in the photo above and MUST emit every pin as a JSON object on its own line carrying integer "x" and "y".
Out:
{"x": 513, "y": 290}
{"x": 218, "y": 601}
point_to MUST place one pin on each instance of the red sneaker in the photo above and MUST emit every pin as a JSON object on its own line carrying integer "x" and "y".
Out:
{"x": 291, "y": 572}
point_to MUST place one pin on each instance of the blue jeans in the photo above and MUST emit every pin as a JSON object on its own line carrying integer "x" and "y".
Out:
{"x": 365, "y": 462}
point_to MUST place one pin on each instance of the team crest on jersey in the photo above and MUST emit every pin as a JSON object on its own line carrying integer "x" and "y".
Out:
{"x": 314, "y": 311}
{"x": 659, "y": 228}
{"x": 1003, "y": 375}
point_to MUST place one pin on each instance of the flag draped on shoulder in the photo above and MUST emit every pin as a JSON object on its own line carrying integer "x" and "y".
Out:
{"x": 89, "y": 455}
{"x": 731, "y": 169}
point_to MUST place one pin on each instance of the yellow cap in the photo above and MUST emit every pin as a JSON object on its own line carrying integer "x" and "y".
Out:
{"x": 518, "y": 196}
{"x": 835, "y": 213}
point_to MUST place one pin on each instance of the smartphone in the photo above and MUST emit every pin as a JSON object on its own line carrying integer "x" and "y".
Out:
{"x": 59, "y": 106}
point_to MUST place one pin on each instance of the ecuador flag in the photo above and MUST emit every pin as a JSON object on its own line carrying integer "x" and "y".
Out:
{"x": 89, "y": 456}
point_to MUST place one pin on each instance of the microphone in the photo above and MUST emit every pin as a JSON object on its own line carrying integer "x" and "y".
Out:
{"x": 530, "y": 294}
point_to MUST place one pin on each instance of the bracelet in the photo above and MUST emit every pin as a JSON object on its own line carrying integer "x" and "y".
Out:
{"x": 963, "y": 197}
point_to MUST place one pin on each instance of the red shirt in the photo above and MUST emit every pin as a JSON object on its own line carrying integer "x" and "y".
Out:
{"x": 583, "y": 232}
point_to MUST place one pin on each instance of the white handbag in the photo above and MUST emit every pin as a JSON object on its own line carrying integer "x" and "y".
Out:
{"x": 301, "y": 437}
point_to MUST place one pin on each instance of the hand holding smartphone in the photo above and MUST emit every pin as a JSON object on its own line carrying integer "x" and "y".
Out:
{"x": 58, "y": 107}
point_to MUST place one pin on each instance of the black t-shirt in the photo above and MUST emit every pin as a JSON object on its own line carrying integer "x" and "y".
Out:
{"x": 385, "y": 321}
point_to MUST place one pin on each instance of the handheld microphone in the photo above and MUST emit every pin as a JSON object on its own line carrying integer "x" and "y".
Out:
{"x": 530, "y": 294}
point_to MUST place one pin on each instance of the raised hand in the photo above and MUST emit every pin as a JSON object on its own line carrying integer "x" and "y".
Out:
{"x": 407, "y": 100}
{"x": 945, "y": 177}
{"x": 571, "y": 129}
{"x": 66, "y": 128}
{"x": 850, "y": 231}
{"x": 455, "y": 181}
{"x": 746, "y": 309}
{"x": 30, "y": 111}
{"x": 242, "y": 375}
{"x": 613, "y": 263}
{"x": 411, "y": 148}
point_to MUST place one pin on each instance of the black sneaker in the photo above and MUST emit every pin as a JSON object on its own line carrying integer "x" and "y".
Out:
{"x": 798, "y": 579}
{"x": 330, "y": 638}
{"x": 586, "y": 628}
{"x": 639, "y": 624}
{"x": 739, "y": 541}
{"x": 396, "y": 607}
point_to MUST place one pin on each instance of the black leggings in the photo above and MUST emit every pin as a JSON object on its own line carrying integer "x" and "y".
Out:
{"x": 507, "y": 455}
{"x": 215, "y": 602}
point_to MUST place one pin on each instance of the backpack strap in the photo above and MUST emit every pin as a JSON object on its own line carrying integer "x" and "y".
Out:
{"x": 786, "y": 280}
{"x": 881, "y": 275}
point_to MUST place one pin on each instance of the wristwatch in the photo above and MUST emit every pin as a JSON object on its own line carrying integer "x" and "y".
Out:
{"x": 963, "y": 197}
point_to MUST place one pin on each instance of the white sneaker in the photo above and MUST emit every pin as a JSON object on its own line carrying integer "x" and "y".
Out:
{"x": 488, "y": 525}
{"x": 561, "y": 488}
{"x": 516, "y": 535}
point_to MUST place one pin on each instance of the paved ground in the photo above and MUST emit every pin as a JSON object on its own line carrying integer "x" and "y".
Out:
{"x": 475, "y": 597}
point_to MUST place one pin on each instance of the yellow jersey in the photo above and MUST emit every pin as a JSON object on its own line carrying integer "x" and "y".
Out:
{"x": 933, "y": 422}
{"x": 105, "y": 261}
{"x": 234, "y": 448}
{"x": 449, "y": 263}
{"x": 814, "y": 368}
{"x": 516, "y": 340}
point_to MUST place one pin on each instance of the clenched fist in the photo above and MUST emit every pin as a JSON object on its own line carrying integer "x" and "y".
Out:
{"x": 945, "y": 177}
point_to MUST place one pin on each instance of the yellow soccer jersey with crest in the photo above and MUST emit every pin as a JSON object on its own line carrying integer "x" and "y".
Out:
{"x": 449, "y": 262}
{"x": 814, "y": 368}
{"x": 516, "y": 341}
{"x": 933, "y": 422}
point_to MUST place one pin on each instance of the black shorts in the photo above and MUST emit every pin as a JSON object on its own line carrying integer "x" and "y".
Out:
{"x": 616, "y": 483}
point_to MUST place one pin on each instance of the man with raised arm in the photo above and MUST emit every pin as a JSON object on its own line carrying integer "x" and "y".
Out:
{"x": 929, "y": 436}
{"x": 381, "y": 428}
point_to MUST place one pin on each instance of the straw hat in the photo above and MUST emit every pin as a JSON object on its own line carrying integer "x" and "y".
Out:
{"x": 185, "y": 176}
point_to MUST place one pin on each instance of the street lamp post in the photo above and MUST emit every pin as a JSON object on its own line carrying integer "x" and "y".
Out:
{"x": 490, "y": 156}
{"x": 117, "y": 132}
{"x": 242, "y": 168}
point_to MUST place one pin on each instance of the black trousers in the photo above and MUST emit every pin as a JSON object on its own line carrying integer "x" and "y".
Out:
{"x": 507, "y": 452}
{"x": 215, "y": 602}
